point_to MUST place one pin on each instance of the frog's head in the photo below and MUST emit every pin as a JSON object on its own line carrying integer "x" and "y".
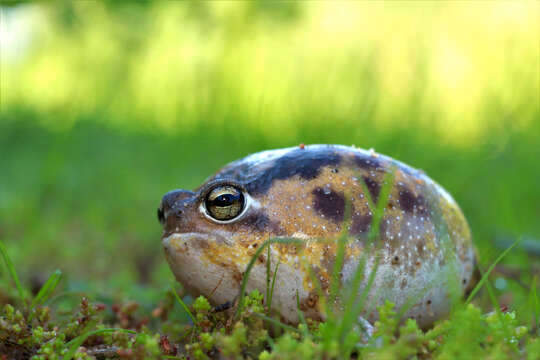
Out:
{"x": 197, "y": 230}
{"x": 211, "y": 233}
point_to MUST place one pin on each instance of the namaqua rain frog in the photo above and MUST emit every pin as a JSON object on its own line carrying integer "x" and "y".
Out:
{"x": 210, "y": 234}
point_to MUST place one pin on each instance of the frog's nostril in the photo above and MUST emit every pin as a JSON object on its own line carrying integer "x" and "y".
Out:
{"x": 177, "y": 212}
{"x": 170, "y": 203}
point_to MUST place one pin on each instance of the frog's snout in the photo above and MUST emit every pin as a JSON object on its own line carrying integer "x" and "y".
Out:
{"x": 172, "y": 204}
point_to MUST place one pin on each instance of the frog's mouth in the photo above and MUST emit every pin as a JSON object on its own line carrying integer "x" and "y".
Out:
{"x": 194, "y": 264}
{"x": 186, "y": 251}
{"x": 182, "y": 242}
{"x": 191, "y": 244}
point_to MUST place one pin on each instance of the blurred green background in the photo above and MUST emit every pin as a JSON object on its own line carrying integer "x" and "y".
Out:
{"x": 107, "y": 106}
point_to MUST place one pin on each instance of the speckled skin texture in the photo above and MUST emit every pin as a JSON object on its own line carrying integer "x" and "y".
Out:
{"x": 302, "y": 192}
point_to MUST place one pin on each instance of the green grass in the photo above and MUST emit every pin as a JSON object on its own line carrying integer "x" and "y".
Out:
{"x": 47, "y": 289}
{"x": 485, "y": 276}
{"x": 12, "y": 271}
{"x": 252, "y": 262}
{"x": 184, "y": 306}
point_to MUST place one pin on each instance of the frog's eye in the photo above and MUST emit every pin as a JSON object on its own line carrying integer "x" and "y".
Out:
{"x": 224, "y": 202}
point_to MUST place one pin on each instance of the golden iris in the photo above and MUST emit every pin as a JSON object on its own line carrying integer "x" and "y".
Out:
{"x": 224, "y": 202}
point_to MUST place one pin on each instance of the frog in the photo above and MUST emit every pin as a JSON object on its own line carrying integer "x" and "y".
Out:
{"x": 420, "y": 255}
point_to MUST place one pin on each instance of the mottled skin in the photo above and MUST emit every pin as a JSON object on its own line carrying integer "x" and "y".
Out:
{"x": 302, "y": 193}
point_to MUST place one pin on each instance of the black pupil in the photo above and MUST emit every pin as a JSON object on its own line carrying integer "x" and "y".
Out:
{"x": 225, "y": 203}
{"x": 225, "y": 200}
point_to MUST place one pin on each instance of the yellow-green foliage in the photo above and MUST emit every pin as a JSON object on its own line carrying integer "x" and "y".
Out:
{"x": 173, "y": 63}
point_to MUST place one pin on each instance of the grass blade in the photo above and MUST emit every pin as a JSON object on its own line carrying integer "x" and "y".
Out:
{"x": 335, "y": 280}
{"x": 353, "y": 308}
{"x": 348, "y": 316}
{"x": 47, "y": 289}
{"x": 378, "y": 209}
{"x": 268, "y": 275}
{"x": 74, "y": 344}
{"x": 534, "y": 302}
{"x": 254, "y": 258}
{"x": 486, "y": 274}
{"x": 184, "y": 306}
{"x": 12, "y": 271}
{"x": 359, "y": 306}
{"x": 272, "y": 288}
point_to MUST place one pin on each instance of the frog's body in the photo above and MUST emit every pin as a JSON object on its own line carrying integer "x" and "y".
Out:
{"x": 302, "y": 193}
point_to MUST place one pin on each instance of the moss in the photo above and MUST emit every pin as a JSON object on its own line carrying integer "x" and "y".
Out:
{"x": 40, "y": 334}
